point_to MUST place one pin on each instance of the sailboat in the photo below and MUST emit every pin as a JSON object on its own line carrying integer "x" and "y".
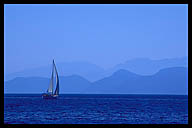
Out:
{"x": 49, "y": 94}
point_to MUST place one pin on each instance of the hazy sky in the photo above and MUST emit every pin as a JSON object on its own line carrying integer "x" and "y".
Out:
{"x": 101, "y": 34}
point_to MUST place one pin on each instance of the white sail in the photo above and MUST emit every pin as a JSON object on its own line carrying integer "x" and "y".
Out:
{"x": 50, "y": 89}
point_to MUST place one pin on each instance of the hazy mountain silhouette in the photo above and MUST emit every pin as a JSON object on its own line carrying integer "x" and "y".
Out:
{"x": 146, "y": 66}
{"x": 85, "y": 69}
{"x": 68, "y": 84}
{"x": 166, "y": 81}
{"x": 92, "y": 72}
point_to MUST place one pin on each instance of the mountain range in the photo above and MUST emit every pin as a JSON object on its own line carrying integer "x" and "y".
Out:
{"x": 166, "y": 81}
{"x": 92, "y": 72}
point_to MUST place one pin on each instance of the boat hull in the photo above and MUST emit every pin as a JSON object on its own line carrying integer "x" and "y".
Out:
{"x": 48, "y": 96}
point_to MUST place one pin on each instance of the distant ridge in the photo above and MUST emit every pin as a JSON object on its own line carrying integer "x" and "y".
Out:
{"x": 92, "y": 72}
{"x": 146, "y": 66}
{"x": 166, "y": 81}
{"x": 85, "y": 69}
{"x": 73, "y": 84}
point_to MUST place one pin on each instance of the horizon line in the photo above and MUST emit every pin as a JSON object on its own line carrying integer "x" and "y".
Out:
{"x": 100, "y": 94}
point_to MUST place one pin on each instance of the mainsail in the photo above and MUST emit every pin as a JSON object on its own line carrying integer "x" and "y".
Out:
{"x": 57, "y": 82}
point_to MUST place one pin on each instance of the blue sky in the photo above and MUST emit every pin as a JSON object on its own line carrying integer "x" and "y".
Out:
{"x": 101, "y": 34}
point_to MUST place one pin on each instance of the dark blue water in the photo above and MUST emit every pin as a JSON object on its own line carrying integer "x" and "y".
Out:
{"x": 96, "y": 109}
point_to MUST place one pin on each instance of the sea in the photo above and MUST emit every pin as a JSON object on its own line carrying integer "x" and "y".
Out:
{"x": 96, "y": 109}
